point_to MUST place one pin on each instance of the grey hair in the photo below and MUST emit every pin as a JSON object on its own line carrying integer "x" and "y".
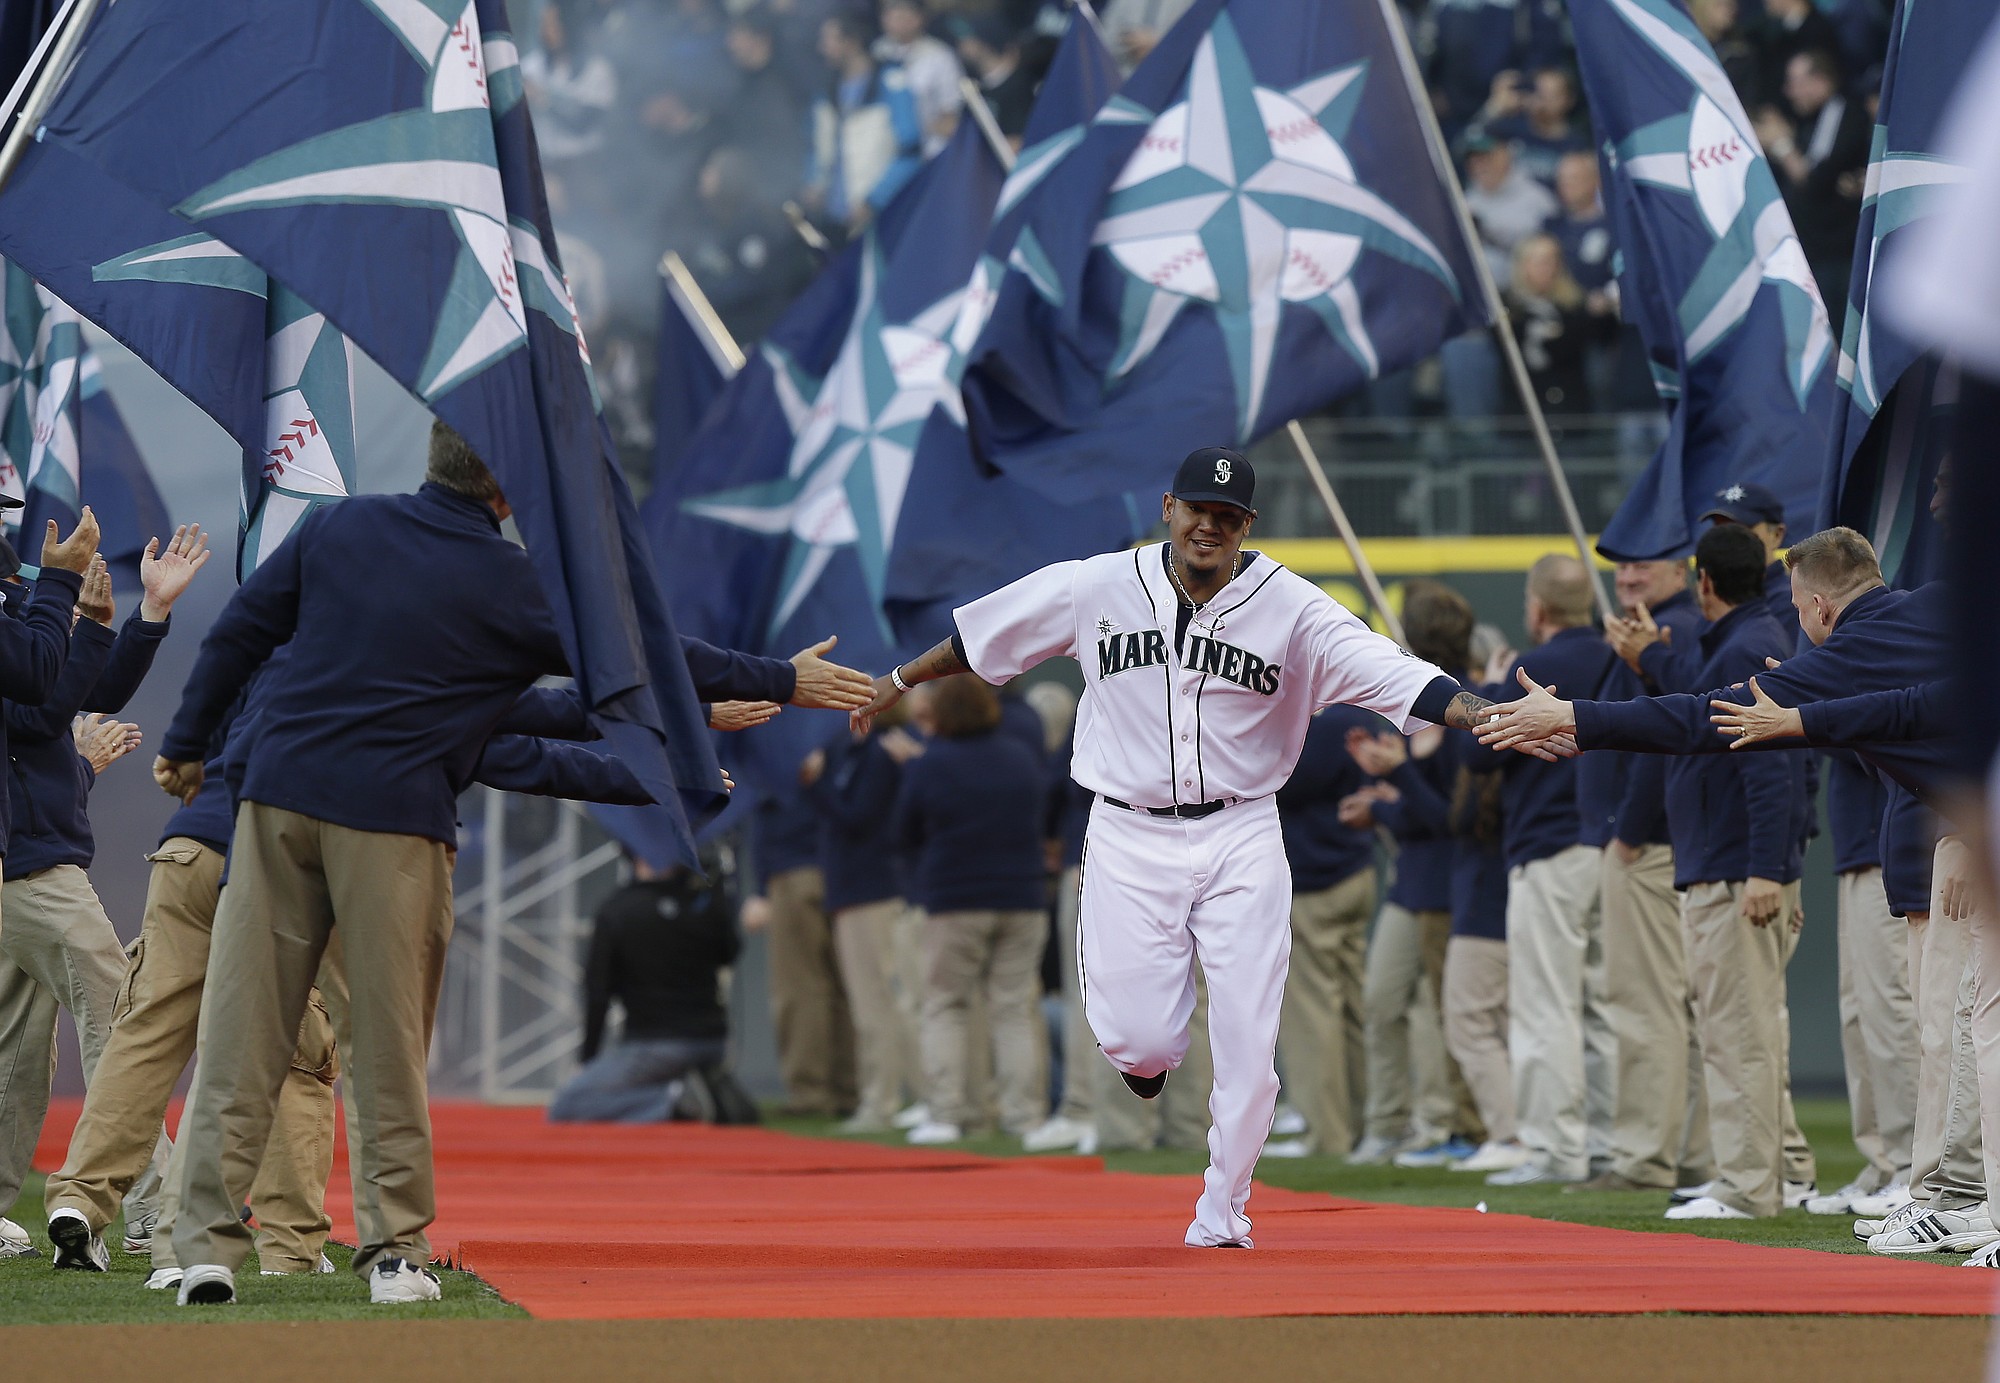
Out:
{"x": 457, "y": 467}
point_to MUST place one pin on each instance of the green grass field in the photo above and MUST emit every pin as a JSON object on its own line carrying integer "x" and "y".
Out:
{"x": 30, "y": 1293}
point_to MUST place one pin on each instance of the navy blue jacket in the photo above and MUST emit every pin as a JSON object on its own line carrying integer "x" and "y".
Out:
{"x": 1736, "y": 816}
{"x": 1855, "y": 802}
{"x": 1885, "y": 640}
{"x": 401, "y": 668}
{"x": 784, "y": 835}
{"x": 1477, "y": 873}
{"x": 48, "y": 784}
{"x": 855, "y": 795}
{"x": 1424, "y": 847}
{"x": 968, "y": 818}
{"x": 1321, "y": 850}
{"x": 1539, "y": 799}
{"x": 1625, "y": 795}
{"x": 34, "y": 648}
{"x": 723, "y": 674}
{"x": 1909, "y": 843}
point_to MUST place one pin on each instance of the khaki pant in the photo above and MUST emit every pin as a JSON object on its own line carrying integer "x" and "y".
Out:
{"x": 1947, "y": 1155}
{"x": 1561, "y": 1047}
{"x": 867, "y": 944}
{"x": 1878, "y": 1028}
{"x": 1080, "y": 1057}
{"x": 1409, "y": 1084}
{"x": 1320, "y": 1036}
{"x": 1179, "y": 1117}
{"x": 58, "y": 950}
{"x": 295, "y": 882}
{"x": 997, "y": 954}
{"x": 1739, "y": 983}
{"x": 808, "y": 1005}
{"x": 1475, "y": 1028}
{"x": 1659, "y": 1132}
{"x": 152, "y": 1037}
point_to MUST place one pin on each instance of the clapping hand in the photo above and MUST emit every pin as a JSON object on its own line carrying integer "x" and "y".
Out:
{"x": 166, "y": 574}
{"x": 94, "y": 602}
{"x": 103, "y": 742}
{"x": 1632, "y": 636}
{"x": 1377, "y": 755}
{"x": 74, "y": 552}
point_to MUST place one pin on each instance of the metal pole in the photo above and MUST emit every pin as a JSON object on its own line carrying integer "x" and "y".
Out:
{"x": 1503, "y": 329}
{"x": 1369, "y": 582}
{"x": 982, "y": 115}
{"x": 804, "y": 228}
{"x": 493, "y": 884}
{"x": 681, "y": 282}
{"x": 29, "y": 116}
{"x": 1089, "y": 12}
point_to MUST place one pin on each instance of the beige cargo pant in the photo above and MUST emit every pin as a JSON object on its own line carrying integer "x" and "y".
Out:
{"x": 1321, "y": 1033}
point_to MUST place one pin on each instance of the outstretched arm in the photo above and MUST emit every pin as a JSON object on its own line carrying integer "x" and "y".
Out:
{"x": 941, "y": 660}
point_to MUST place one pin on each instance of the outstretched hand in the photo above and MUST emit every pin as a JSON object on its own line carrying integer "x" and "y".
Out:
{"x": 740, "y": 715}
{"x": 828, "y": 685}
{"x": 166, "y": 574}
{"x": 883, "y": 695}
{"x": 1538, "y": 724}
{"x": 1762, "y": 719}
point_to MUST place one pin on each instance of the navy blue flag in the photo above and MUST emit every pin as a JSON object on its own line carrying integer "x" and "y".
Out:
{"x": 381, "y": 166}
{"x": 1894, "y": 421}
{"x": 693, "y": 367}
{"x": 1251, "y": 229}
{"x": 115, "y": 484}
{"x": 1712, "y": 274}
{"x": 965, "y": 530}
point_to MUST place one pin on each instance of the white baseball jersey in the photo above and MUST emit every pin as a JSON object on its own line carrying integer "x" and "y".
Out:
{"x": 1222, "y": 716}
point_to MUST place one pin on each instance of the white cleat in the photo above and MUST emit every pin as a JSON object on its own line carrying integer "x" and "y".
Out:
{"x": 1937, "y": 1231}
{"x": 1683, "y": 1194}
{"x": 911, "y": 1117}
{"x": 1289, "y": 1147}
{"x": 1706, "y": 1208}
{"x": 207, "y": 1284}
{"x": 15, "y": 1243}
{"x": 929, "y": 1134}
{"x": 396, "y": 1281}
{"x": 1884, "y": 1202}
{"x": 76, "y": 1245}
{"x": 1287, "y": 1122}
{"x": 164, "y": 1280}
{"x": 1493, "y": 1157}
{"x": 1053, "y": 1135}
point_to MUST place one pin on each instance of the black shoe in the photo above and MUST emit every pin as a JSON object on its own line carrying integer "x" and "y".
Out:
{"x": 1145, "y": 1087}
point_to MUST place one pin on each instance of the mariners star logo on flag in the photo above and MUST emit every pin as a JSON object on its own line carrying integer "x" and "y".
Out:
{"x": 1711, "y": 153}
{"x": 443, "y": 157}
{"x": 1242, "y": 198}
{"x": 854, "y": 433}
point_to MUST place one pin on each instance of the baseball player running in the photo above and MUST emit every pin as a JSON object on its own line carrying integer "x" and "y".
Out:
{"x": 1202, "y": 664}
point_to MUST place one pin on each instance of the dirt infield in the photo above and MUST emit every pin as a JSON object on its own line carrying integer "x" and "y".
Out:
{"x": 1502, "y": 1349}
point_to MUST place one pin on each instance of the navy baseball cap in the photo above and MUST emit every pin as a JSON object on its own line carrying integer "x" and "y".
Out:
{"x": 1746, "y": 504}
{"x": 1216, "y": 475}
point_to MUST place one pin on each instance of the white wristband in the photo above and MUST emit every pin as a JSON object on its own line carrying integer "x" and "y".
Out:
{"x": 896, "y": 678}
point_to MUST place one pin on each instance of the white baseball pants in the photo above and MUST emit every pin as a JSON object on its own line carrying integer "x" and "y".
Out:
{"x": 1158, "y": 891}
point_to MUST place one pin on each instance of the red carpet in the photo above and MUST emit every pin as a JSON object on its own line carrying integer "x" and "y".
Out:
{"x": 678, "y": 1221}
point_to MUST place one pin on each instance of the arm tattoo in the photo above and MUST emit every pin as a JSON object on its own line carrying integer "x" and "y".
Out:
{"x": 1464, "y": 710}
{"x": 940, "y": 661}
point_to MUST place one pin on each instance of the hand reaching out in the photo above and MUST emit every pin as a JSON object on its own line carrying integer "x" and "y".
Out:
{"x": 740, "y": 715}
{"x": 828, "y": 685}
{"x": 1539, "y": 723}
{"x": 883, "y": 694}
{"x": 1762, "y": 719}
{"x": 166, "y": 574}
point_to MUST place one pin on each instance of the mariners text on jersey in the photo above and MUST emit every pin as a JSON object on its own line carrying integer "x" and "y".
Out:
{"x": 1219, "y": 713}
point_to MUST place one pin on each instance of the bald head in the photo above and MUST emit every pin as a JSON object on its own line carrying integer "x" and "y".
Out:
{"x": 1558, "y": 595}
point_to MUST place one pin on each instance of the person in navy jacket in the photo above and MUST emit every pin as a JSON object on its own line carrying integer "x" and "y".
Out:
{"x": 968, "y": 818}
{"x": 809, "y": 1014}
{"x": 58, "y": 949}
{"x": 1659, "y": 1132}
{"x": 1560, "y": 1043}
{"x": 347, "y": 817}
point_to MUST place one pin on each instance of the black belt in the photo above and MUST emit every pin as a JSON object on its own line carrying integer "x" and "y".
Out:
{"x": 1191, "y": 812}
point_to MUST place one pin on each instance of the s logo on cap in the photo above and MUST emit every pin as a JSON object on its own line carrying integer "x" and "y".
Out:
{"x": 1222, "y": 469}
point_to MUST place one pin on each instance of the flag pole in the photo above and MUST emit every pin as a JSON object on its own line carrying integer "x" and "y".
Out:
{"x": 1503, "y": 329}
{"x": 982, "y": 115}
{"x": 700, "y": 311}
{"x": 1373, "y": 585}
{"x": 1089, "y": 12}
{"x": 72, "y": 20}
{"x": 802, "y": 225}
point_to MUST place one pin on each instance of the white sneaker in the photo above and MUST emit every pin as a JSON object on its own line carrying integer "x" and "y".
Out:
{"x": 1086, "y": 1146}
{"x": 1797, "y": 1193}
{"x": 1839, "y": 1202}
{"x": 1988, "y": 1257}
{"x": 164, "y": 1280}
{"x": 1864, "y": 1230}
{"x": 1375, "y": 1150}
{"x": 1289, "y": 1147}
{"x": 911, "y": 1117}
{"x": 1530, "y": 1171}
{"x": 1493, "y": 1157}
{"x": 1884, "y": 1202}
{"x": 1937, "y": 1231}
{"x": 15, "y": 1243}
{"x": 1683, "y": 1194}
{"x": 930, "y": 1134}
{"x": 1706, "y": 1208}
{"x": 1288, "y": 1123}
{"x": 397, "y": 1280}
{"x": 1054, "y": 1134}
{"x": 207, "y": 1284}
{"x": 76, "y": 1246}
{"x": 319, "y": 1269}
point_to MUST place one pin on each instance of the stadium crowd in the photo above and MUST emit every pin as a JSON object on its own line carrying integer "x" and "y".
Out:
{"x": 742, "y": 135}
